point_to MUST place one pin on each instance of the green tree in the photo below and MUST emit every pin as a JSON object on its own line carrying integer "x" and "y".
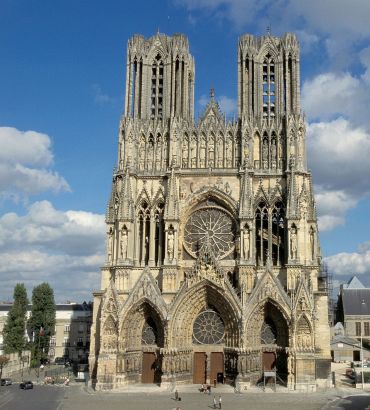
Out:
{"x": 15, "y": 326}
{"x": 42, "y": 321}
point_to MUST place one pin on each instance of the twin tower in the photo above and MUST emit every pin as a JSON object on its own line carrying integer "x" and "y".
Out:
{"x": 213, "y": 257}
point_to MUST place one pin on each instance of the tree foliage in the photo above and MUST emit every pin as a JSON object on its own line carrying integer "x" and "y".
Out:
{"x": 41, "y": 324}
{"x": 15, "y": 326}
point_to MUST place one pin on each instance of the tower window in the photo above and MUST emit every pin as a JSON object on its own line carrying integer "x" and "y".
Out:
{"x": 268, "y": 84}
{"x": 157, "y": 88}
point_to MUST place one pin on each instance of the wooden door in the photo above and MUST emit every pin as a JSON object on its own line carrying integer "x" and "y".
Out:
{"x": 217, "y": 365}
{"x": 148, "y": 372}
{"x": 269, "y": 361}
{"x": 199, "y": 368}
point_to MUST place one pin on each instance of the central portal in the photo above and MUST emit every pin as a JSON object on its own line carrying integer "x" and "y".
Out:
{"x": 208, "y": 374}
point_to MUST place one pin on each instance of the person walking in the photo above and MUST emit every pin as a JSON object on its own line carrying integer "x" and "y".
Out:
{"x": 214, "y": 402}
{"x": 176, "y": 395}
{"x": 219, "y": 401}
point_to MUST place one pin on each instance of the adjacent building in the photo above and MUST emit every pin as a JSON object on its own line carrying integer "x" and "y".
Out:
{"x": 354, "y": 310}
{"x": 213, "y": 268}
{"x": 71, "y": 338}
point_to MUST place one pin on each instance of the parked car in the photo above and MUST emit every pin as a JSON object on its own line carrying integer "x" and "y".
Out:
{"x": 26, "y": 385}
{"x": 60, "y": 360}
{"x": 6, "y": 382}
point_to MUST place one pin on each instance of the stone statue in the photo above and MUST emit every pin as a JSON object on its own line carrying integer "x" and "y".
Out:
{"x": 193, "y": 153}
{"x": 202, "y": 152}
{"x": 124, "y": 242}
{"x": 110, "y": 244}
{"x": 219, "y": 154}
{"x": 246, "y": 244}
{"x": 185, "y": 153}
{"x": 170, "y": 244}
{"x": 273, "y": 150}
{"x": 312, "y": 242}
{"x": 265, "y": 153}
{"x": 293, "y": 243}
{"x": 229, "y": 154}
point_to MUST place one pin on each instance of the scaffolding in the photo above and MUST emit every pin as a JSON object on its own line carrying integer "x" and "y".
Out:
{"x": 325, "y": 284}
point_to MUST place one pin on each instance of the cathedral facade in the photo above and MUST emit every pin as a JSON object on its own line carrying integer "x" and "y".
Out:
{"x": 213, "y": 257}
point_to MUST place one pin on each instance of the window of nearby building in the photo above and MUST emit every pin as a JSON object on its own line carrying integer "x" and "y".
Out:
{"x": 66, "y": 341}
{"x": 366, "y": 329}
{"x": 80, "y": 328}
{"x": 358, "y": 328}
{"x": 67, "y": 328}
{"x": 52, "y": 341}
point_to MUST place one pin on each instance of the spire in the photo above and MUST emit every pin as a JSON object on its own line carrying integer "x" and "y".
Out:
{"x": 110, "y": 214}
{"x": 172, "y": 198}
{"x": 126, "y": 198}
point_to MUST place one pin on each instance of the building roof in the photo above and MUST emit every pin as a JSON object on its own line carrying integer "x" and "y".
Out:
{"x": 345, "y": 340}
{"x": 354, "y": 283}
{"x": 356, "y": 302}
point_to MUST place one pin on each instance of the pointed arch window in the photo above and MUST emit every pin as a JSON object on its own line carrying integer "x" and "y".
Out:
{"x": 262, "y": 226}
{"x": 157, "y": 88}
{"x": 144, "y": 233}
{"x": 270, "y": 233}
{"x": 268, "y": 84}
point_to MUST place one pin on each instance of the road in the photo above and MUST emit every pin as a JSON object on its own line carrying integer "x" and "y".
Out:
{"x": 77, "y": 398}
{"x": 39, "y": 398}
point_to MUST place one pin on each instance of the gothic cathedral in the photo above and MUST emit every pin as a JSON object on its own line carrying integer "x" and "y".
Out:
{"x": 213, "y": 255}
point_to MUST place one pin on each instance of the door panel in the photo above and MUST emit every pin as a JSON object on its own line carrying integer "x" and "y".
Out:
{"x": 148, "y": 368}
{"x": 217, "y": 365}
{"x": 269, "y": 361}
{"x": 199, "y": 368}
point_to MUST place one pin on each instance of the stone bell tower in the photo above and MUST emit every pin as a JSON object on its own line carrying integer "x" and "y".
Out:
{"x": 213, "y": 255}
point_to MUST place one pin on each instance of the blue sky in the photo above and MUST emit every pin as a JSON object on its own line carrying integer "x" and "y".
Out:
{"x": 62, "y": 73}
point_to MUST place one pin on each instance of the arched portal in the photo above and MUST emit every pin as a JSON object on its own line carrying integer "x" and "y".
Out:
{"x": 142, "y": 336}
{"x": 267, "y": 338}
{"x": 274, "y": 340}
{"x": 207, "y": 319}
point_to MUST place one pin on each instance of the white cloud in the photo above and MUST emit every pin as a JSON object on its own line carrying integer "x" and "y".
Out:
{"x": 227, "y": 105}
{"x": 349, "y": 263}
{"x": 63, "y": 248}
{"x": 25, "y": 160}
{"x": 331, "y": 94}
{"x": 338, "y": 153}
{"x": 99, "y": 96}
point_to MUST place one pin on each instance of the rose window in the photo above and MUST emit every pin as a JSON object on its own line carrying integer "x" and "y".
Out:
{"x": 213, "y": 225}
{"x": 208, "y": 328}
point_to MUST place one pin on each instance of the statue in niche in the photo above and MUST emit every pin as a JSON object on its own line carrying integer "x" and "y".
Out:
{"x": 265, "y": 153}
{"x": 158, "y": 153}
{"x": 110, "y": 244}
{"x": 211, "y": 153}
{"x": 193, "y": 153}
{"x": 246, "y": 243}
{"x": 293, "y": 243}
{"x": 219, "y": 154}
{"x": 170, "y": 244}
{"x": 312, "y": 242}
{"x": 124, "y": 242}
{"x": 227, "y": 188}
{"x": 142, "y": 154}
{"x": 185, "y": 153}
{"x": 229, "y": 154}
{"x": 202, "y": 153}
{"x": 291, "y": 146}
{"x": 273, "y": 150}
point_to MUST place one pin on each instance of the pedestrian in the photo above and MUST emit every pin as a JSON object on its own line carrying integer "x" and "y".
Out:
{"x": 214, "y": 402}
{"x": 219, "y": 402}
{"x": 176, "y": 395}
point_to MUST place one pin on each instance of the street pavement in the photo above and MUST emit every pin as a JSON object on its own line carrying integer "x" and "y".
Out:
{"x": 78, "y": 397}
